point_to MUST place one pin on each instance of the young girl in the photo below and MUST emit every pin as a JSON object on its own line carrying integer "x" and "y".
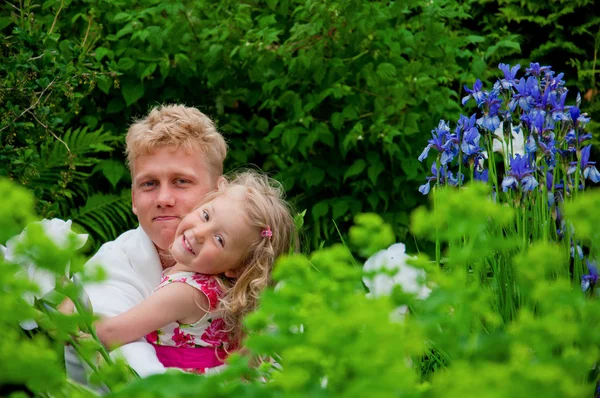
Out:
{"x": 224, "y": 252}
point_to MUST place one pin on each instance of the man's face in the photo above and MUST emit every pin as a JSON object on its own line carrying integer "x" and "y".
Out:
{"x": 167, "y": 185}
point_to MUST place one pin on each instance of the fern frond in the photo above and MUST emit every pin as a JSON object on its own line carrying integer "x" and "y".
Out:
{"x": 105, "y": 216}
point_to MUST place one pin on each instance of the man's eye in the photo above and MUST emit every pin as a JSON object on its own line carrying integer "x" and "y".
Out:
{"x": 182, "y": 181}
{"x": 220, "y": 240}
{"x": 205, "y": 215}
{"x": 147, "y": 184}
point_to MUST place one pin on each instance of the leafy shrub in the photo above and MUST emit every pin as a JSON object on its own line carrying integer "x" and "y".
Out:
{"x": 332, "y": 340}
{"x": 47, "y": 74}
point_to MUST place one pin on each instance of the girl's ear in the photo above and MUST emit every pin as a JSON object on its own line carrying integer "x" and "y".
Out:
{"x": 233, "y": 273}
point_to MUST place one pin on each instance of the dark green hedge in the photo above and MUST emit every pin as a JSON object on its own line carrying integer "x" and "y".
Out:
{"x": 334, "y": 98}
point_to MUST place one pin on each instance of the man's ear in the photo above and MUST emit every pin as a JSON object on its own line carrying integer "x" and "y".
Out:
{"x": 133, "y": 207}
{"x": 221, "y": 181}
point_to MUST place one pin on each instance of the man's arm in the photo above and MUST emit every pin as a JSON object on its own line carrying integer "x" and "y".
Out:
{"x": 133, "y": 270}
{"x": 173, "y": 302}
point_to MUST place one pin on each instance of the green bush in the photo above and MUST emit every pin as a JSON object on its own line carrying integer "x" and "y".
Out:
{"x": 331, "y": 340}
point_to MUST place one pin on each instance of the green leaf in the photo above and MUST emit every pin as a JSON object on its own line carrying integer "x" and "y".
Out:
{"x": 340, "y": 208}
{"x": 125, "y": 64}
{"x": 122, "y": 17}
{"x": 182, "y": 61}
{"x": 475, "y": 39}
{"x": 319, "y": 210}
{"x": 115, "y": 105}
{"x": 113, "y": 170}
{"x": 373, "y": 172}
{"x": 314, "y": 176}
{"x": 386, "y": 70}
{"x": 272, "y": 4}
{"x": 4, "y": 22}
{"x": 337, "y": 119}
{"x": 125, "y": 31}
{"x": 291, "y": 136}
{"x": 373, "y": 199}
{"x": 149, "y": 70}
{"x": 132, "y": 91}
{"x": 355, "y": 169}
{"x": 101, "y": 52}
{"x": 299, "y": 220}
{"x": 104, "y": 83}
{"x": 165, "y": 67}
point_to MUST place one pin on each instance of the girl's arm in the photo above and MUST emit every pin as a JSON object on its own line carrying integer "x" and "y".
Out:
{"x": 173, "y": 302}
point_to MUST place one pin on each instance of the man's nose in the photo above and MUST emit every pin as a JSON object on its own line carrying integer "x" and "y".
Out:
{"x": 165, "y": 197}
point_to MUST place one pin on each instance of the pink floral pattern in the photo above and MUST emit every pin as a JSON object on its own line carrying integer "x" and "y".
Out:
{"x": 210, "y": 331}
{"x": 210, "y": 287}
{"x": 152, "y": 337}
{"x": 182, "y": 339}
{"x": 216, "y": 334}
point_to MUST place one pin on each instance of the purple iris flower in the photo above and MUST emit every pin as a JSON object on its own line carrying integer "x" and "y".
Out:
{"x": 520, "y": 174}
{"x": 481, "y": 176}
{"x": 509, "y": 75}
{"x": 558, "y": 105}
{"x": 589, "y": 281}
{"x": 574, "y": 141}
{"x": 446, "y": 177}
{"x": 589, "y": 169}
{"x": 548, "y": 147}
{"x": 470, "y": 144}
{"x": 490, "y": 119}
{"x": 465, "y": 124}
{"x": 577, "y": 117}
{"x": 476, "y": 93}
{"x": 527, "y": 91}
{"x": 535, "y": 69}
{"x": 441, "y": 141}
{"x": 530, "y": 145}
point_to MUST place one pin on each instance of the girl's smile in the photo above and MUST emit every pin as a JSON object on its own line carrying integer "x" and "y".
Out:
{"x": 186, "y": 245}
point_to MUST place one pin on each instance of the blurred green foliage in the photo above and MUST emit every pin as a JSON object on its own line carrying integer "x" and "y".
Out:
{"x": 330, "y": 339}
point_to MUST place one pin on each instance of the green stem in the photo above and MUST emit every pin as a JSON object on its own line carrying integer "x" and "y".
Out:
{"x": 92, "y": 331}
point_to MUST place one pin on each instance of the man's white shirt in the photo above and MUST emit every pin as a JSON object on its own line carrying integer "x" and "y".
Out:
{"x": 133, "y": 270}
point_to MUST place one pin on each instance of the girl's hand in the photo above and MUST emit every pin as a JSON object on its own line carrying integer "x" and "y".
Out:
{"x": 66, "y": 307}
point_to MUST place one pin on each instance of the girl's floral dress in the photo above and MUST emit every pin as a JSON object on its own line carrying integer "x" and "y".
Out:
{"x": 208, "y": 335}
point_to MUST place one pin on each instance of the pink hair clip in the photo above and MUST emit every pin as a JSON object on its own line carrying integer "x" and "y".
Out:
{"x": 266, "y": 233}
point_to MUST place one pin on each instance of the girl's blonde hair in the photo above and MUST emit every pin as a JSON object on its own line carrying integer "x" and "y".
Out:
{"x": 266, "y": 210}
{"x": 179, "y": 126}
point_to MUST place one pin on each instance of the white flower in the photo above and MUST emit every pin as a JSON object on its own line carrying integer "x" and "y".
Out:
{"x": 382, "y": 284}
{"x": 518, "y": 143}
{"x": 59, "y": 232}
{"x": 394, "y": 258}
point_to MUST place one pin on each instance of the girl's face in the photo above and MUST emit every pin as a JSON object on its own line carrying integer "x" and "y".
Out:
{"x": 214, "y": 238}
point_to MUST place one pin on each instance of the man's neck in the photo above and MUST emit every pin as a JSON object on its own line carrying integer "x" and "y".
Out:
{"x": 166, "y": 259}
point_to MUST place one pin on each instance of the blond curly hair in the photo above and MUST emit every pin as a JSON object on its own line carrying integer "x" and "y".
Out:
{"x": 266, "y": 210}
{"x": 179, "y": 126}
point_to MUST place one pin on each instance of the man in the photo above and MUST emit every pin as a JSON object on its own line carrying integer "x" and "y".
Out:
{"x": 176, "y": 156}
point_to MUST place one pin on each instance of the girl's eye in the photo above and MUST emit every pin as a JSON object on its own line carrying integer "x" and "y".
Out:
{"x": 205, "y": 215}
{"x": 220, "y": 240}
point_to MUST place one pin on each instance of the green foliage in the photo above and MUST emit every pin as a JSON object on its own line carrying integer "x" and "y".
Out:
{"x": 48, "y": 72}
{"x": 563, "y": 34}
{"x": 332, "y": 98}
{"x": 370, "y": 234}
{"x": 330, "y": 339}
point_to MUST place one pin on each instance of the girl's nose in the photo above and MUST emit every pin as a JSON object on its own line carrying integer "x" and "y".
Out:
{"x": 199, "y": 234}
